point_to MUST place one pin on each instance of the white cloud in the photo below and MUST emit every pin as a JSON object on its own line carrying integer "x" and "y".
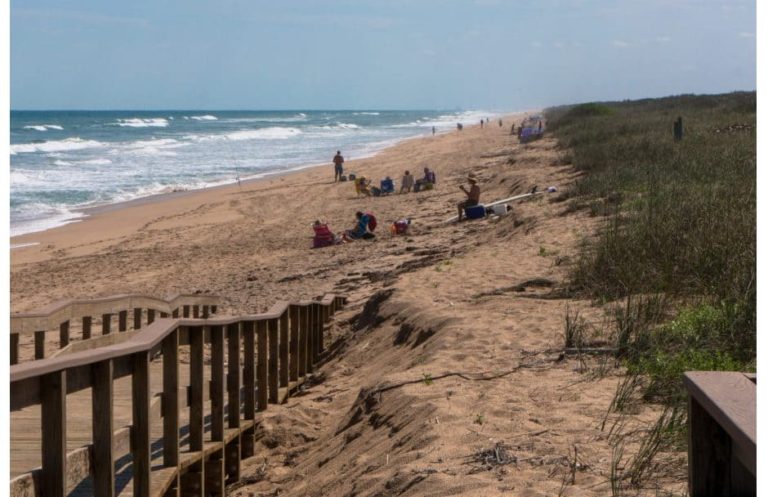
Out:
{"x": 619, "y": 44}
{"x": 746, "y": 35}
{"x": 663, "y": 39}
{"x": 536, "y": 44}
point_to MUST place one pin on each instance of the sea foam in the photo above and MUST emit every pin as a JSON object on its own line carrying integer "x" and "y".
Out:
{"x": 54, "y": 146}
{"x": 157, "y": 122}
{"x": 44, "y": 127}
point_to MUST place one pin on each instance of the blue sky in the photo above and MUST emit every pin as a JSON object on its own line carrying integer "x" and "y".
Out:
{"x": 364, "y": 54}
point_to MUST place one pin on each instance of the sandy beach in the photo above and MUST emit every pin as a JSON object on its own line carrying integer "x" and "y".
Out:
{"x": 466, "y": 315}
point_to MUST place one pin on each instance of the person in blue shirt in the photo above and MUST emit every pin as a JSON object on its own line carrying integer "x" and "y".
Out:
{"x": 361, "y": 228}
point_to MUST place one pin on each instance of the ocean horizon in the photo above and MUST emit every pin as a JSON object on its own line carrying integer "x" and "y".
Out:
{"x": 65, "y": 161}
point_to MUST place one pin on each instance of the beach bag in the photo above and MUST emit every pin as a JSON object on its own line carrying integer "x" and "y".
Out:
{"x": 343, "y": 177}
{"x": 371, "y": 221}
{"x": 400, "y": 227}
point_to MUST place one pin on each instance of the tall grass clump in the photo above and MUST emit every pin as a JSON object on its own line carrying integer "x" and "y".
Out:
{"x": 682, "y": 224}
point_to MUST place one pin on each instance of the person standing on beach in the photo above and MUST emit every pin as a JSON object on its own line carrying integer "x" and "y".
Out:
{"x": 433, "y": 131}
{"x": 473, "y": 195}
{"x": 407, "y": 182}
{"x": 338, "y": 166}
{"x": 481, "y": 124}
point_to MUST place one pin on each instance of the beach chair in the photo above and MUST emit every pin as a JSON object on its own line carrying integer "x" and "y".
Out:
{"x": 323, "y": 236}
{"x": 387, "y": 186}
{"x": 361, "y": 186}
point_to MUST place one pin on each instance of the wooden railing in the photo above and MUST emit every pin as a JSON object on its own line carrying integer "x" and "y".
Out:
{"x": 722, "y": 433}
{"x": 63, "y": 317}
{"x": 266, "y": 356}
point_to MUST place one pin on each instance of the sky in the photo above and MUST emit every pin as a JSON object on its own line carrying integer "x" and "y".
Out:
{"x": 366, "y": 54}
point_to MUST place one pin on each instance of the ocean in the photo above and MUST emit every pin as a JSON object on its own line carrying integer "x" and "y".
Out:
{"x": 65, "y": 161}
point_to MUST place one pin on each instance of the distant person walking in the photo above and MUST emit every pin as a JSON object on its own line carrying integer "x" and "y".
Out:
{"x": 481, "y": 124}
{"x": 338, "y": 166}
{"x": 459, "y": 127}
{"x": 500, "y": 124}
{"x": 433, "y": 131}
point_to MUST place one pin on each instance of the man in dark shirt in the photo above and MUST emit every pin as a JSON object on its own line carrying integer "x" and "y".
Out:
{"x": 338, "y": 166}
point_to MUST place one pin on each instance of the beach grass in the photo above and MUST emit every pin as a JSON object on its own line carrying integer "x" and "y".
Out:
{"x": 677, "y": 251}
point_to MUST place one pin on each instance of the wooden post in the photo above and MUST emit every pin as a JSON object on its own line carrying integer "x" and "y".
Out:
{"x": 325, "y": 317}
{"x": 261, "y": 365}
{"x": 39, "y": 344}
{"x": 293, "y": 310}
{"x": 106, "y": 324}
{"x": 141, "y": 446}
{"x": 122, "y": 320}
{"x": 185, "y": 311}
{"x": 233, "y": 375}
{"x": 272, "y": 376}
{"x": 87, "y": 322}
{"x": 249, "y": 386}
{"x": 284, "y": 374}
{"x": 137, "y": 318}
{"x": 214, "y": 476}
{"x": 171, "y": 399}
{"x": 64, "y": 334}
{"x": 311, "y": 326}
{"x": 206, "y": 312}
{"x": 303, "y": 319}
{"x": 196, "y": 311}
{"x": 214, "y": 309}
{"x": 53, "y": 406}
{"x": 175, "y": 313}
{"x": 14, "y": 348}
{"x": 217, "y": 383}
{"x": 150, "y": 316}
{"x": 102, "y": 406}
{"x": 196, "y": 381}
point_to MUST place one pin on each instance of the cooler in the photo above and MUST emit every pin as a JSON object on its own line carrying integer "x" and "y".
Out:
{"x": 475, "y": 212}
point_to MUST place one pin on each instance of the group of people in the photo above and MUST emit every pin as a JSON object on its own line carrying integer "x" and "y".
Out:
{"x": 387, "y": 185}
{"x": 365, "y": 222}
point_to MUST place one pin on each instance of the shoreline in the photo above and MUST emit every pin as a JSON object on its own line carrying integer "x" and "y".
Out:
{"x": 85, "y": 212}
{"x": 25, "y": 240}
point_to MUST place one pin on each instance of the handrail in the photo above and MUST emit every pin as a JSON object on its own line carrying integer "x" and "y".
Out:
{"x": 60, "y": 317}
{"x": 30, "y": 322}
{"x": 267, "y": 355}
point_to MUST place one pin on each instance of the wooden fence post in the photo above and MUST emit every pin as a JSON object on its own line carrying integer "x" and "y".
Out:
{"x": 53, "y": 400}
{"x": 102, "y": 406}
{"x": 261, "y": 365}
{"x": 137, "y": 318}
{"x": 39, "y": 344}
{"x": 87, "y": 322}
{"x": 171, "y": 399}
{"x": 284, "y": 373}
{"x": 217, "y": 383}
{"x": 142, "y": 442}
{"x": 303, "y": 318}
{"x": 64, "y": 334}
{"x": 122, "y": 320}
{"x": 293, "y": 310}
{"x": 272, "y": 376}
{"x": 249, "y": 386}
{"x": 14, "y": 348}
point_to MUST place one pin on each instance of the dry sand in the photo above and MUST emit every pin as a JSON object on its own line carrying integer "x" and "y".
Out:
{"x": 438, "y": 301}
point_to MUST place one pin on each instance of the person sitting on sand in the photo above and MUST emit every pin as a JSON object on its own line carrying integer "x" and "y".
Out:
{"x": 361, "y": 186}
{"x": 407, "y": 182}
{"x": 360, "y": 231}
{"x": 427, "y": 182}
{"x": 324, "y": 237}
{"x": 387, "y": 186}
{"x": 473, "y": 195}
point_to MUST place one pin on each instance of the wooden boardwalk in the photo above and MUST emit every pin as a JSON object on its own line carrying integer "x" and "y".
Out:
{"x": 164, "y": 411}
{"x": 26, "y": 433}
